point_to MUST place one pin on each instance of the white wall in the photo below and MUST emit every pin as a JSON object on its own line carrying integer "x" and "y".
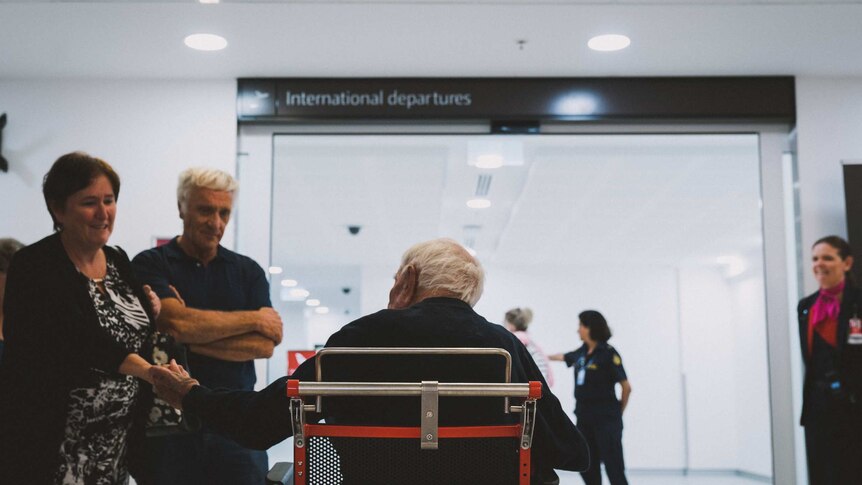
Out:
{"x": 829, "y": 130}
{"x": 748, "y": 315}
{"x": 149, "y": 131}
{"x": 640, "y": 305}
{"x": 708, "y": 349}
{"x": 724, "y": 359}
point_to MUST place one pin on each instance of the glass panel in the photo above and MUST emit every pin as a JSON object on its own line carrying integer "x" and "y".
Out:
{"x": 661, "y": 233}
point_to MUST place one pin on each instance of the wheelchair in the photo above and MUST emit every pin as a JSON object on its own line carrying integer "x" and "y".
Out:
{"x": 367, "y": 449}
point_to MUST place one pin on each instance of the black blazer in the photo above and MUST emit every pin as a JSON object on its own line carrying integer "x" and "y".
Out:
{"x": 851, "y": 304}
{"x": 53, "y": 337}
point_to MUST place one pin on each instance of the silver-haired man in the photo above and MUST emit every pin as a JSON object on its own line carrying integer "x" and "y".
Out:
{"x": 217, "y": 303}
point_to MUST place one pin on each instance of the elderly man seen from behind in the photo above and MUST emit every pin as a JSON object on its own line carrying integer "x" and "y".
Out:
{"x": 430, "y": 305}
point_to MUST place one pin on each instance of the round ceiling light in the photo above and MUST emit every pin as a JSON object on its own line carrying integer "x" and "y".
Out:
{"x": 489, "y": 160}
{"x": 206, "y": 42}
{"x": 609, "y": 42}
{"x": 478, "y": 203}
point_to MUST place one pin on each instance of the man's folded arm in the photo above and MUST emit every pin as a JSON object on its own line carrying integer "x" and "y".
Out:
{"x": 194, "y": 326}
{"x": 238, "y": 348}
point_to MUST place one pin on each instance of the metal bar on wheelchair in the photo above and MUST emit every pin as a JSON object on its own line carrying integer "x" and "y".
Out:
{"x": 411, "y": 351}
{"x": 428, "y": 391}
{"x": 447, "y": 389}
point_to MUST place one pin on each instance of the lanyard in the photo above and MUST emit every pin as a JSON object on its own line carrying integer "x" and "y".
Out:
{"x": 583, "y": 365}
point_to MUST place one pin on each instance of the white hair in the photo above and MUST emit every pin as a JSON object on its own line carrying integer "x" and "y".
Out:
{"x": 443, "y": 264}
{"x": 203, "y": 178}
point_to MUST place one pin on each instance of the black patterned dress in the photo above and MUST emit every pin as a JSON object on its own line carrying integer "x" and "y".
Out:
{"x": 100, "y": 414}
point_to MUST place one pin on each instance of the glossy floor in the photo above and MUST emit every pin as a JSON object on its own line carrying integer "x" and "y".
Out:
{"x": 670, "y": 478}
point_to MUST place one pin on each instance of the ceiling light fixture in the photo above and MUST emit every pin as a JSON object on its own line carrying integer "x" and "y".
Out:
{"x": 209, "y": 2}
{"x": 299, "y": 293}
{"x": 312, "y": 302}
{"x": 609, "y": 42}
{"x": 275, "y": 270}
{"x": 206, "y": 42}
{"x": 489, "y": 160}
{"x": 289, "y": 283}
{"x": 478, "y": 203}
{"x": 321, "y": 310}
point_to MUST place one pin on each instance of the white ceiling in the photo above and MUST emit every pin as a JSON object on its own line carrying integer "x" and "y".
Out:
{"x": 586, "y": 200}
{"x": 140, "y": 39}
{"x": 583, "y": 200}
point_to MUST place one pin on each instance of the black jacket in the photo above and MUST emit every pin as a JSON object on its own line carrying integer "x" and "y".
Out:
{"x": 260, "y": 420}
{"x": 845, "y": 368}
{"x": 53, "y": 338}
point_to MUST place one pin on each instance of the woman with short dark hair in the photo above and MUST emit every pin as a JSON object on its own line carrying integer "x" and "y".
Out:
{"x": 598, "y": 368}
{"x": 830, "y": 331}
{"x": 76, "y": 318}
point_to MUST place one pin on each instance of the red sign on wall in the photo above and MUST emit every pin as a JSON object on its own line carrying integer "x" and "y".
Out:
{"x": 297, "y": 357}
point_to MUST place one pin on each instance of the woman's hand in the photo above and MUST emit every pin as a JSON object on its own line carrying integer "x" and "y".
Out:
{"x": 172, "y": 383}
{"x": 135, "y": 365}
{"x": 155, "y": 302}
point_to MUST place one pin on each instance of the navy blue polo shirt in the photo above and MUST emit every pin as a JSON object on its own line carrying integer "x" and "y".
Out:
{"x": 596, "y": 375}
{"x": 230, "y": 282}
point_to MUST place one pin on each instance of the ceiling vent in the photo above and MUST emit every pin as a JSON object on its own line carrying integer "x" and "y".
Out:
{"x": 470, "y": 233}
{"x": 483, "y": 185}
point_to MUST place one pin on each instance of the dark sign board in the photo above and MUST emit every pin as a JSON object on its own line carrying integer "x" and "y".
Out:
{"x": 767, "y": 99}
{"x": 853, "y": 206}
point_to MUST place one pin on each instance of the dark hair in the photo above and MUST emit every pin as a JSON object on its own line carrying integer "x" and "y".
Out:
{"x": 519, "y": 318}
{"x": 8, "y": 247}
{"x": 596, "y": 324}
{"x": 838, "y": 243}
{"x": 844, "y": 251}
{"x": 73, "y": 172}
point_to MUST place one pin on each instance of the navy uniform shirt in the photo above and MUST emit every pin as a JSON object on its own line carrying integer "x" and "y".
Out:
{"x": 596, "y": 375}
{"x": 230, "y": 282}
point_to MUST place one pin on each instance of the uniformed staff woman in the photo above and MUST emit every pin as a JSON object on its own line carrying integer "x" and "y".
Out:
{"x": 830, "y": 331}
{"x": 598, "y": 368}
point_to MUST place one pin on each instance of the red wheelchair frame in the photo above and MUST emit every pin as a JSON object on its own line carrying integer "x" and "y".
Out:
{"x": 428, "y": 435}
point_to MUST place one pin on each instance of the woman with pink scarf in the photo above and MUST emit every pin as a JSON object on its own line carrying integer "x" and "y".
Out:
{"x": 830, "y": 331}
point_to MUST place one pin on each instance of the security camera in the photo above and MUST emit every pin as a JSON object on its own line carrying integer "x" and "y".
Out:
{"x": 346, "y": 290}
{"x": 354, "y": 230}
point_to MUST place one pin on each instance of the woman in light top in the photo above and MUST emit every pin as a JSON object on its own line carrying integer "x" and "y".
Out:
{"x": 517, "y": 321}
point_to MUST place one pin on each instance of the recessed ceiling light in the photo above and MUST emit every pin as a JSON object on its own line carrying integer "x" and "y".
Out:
{"x": 478, "y": 203}
{"x": 322, "y": 310}
{"x": 287, "y": 283}
{"x": 609, "y": 42}
{"x": 489, "y": 160}
{"x": 298, "y": 293}
{"x": 206, "y": 42}
{"x": 312, "y": 302}
{"x": 275, "y": 270}
{"x": 208, "y": 1}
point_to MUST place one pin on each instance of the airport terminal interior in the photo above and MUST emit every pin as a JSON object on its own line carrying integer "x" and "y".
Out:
{"x": 674, "y": 181}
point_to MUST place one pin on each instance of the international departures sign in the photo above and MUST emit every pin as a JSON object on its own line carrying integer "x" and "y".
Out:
{"x": 758, "y": 99}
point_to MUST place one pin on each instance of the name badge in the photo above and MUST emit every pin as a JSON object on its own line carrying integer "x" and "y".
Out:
{"x": 582, "y": 376}
{"x": 855, "y": 335}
